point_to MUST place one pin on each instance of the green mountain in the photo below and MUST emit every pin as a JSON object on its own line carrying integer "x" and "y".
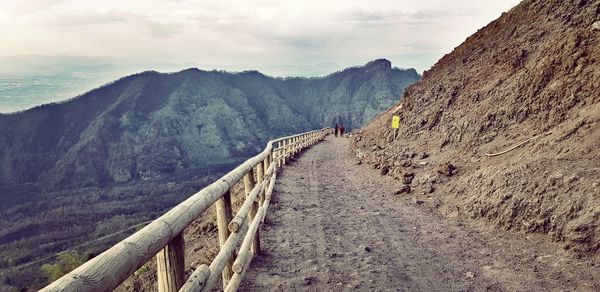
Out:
{"x": 150, "y": 124}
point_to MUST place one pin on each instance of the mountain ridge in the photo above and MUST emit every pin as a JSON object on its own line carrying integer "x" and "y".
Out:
{"x": 149, "y": 124}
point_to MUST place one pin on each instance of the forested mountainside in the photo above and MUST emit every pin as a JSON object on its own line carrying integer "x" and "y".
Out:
{"x": 151, "y": 124}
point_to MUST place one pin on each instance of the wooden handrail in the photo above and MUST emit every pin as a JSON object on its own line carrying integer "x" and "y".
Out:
{"x": 163, "y": 236}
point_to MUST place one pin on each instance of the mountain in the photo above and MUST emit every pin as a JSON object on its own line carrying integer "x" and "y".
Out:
{"x": 524, "y": 90}
{"x": 127, "y": 152}
{"x": 150, "y": 124}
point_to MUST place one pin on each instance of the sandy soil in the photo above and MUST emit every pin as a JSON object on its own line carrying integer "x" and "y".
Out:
{"x": 335, "y": 224}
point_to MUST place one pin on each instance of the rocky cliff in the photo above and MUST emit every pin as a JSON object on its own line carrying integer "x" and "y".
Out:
{"x": 506, "y": 128}
{"x": 151, "y": 124}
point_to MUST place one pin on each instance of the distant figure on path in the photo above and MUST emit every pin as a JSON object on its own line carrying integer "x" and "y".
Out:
{"x": 336, "y": 129}
{"x": 341, "y": 130}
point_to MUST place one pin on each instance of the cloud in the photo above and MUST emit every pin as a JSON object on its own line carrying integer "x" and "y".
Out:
{"x": 112, "y": 20}
{"x": 29, "y": 6}
{"x": 249, "y": 34}
{"x": 88, "y": 18}
{"x": 399, "y": 15}
{"x": 163, "y": 30}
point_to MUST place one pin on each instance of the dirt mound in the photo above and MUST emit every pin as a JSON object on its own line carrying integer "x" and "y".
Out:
{"x": 525, "y": 90}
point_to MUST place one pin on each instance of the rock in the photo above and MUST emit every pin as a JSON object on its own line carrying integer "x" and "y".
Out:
{"x": 424, "y": 155}
{"x": 406, "y": 163}
{"x": 405, "y": 189}
{"x": 428, "y": 179}
{"x": 446, "y": 169}
{"x": 359, "y": 162}
{"x": 470, "y": 275}
{"x": 596, "y": 25}
{"x": 368, "y": 249}
{"x": 384, "y": 170}
{"x": 407, "y": 178}
{"x": 431, "y": 189}
{"x": 419, "y": 202}
{"x": 310, "y": 280}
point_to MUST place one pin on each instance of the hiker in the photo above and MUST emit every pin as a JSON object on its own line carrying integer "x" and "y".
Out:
{"x": 341, "y": 130}
{"x": 336, "y": 129}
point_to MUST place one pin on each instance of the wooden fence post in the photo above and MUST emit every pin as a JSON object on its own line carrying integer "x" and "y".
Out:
{"x": 295, "y": 147}
{"x": 170, "y": 264}
{"x": 224, "y": 215}
{"x": 279, "y": 145}
{"x": 249, "y": 185}
{"x": 284, "y": 150}
{"x": 260, "y": 174}
{"x": 267, "y": 163}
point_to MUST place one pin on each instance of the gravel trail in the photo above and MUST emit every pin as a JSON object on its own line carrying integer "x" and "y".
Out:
{"x": 334, "y": 224}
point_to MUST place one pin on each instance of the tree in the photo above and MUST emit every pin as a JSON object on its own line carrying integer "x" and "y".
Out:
{"x": 67, "y": 262}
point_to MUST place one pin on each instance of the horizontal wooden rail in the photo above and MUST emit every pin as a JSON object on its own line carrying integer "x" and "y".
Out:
{"x": 163, "y": 236}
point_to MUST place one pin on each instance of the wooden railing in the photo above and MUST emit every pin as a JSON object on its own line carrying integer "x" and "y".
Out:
{"x": 163, "y": 237}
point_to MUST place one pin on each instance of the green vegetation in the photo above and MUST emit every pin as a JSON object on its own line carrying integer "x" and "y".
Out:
{"x": 61, "y": 220}
{"x": 66, "y": 262}
{"x": 143, "y": 269}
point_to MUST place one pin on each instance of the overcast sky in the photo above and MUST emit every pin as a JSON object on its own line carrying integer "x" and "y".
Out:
{"x": 299, "y": 37}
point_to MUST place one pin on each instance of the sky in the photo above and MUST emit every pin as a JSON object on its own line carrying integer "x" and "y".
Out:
{"x": 276, "y": 37}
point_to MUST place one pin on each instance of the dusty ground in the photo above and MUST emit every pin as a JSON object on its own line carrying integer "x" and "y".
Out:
{"x": 334, "y": 224}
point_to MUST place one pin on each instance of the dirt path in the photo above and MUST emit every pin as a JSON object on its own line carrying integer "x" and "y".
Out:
{"x": 333, "y": 224}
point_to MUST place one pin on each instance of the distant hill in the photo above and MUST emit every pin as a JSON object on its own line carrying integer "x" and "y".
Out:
{"x": 526, "y": 89}
{"x": 150, "y": 124}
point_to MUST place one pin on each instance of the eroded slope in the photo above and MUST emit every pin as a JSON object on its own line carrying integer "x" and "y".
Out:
{"x": 532, "y": 75}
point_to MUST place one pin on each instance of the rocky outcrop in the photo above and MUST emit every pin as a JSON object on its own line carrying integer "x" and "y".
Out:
{"x": 525, "y": 90}
{"x": 151, "y": 124}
